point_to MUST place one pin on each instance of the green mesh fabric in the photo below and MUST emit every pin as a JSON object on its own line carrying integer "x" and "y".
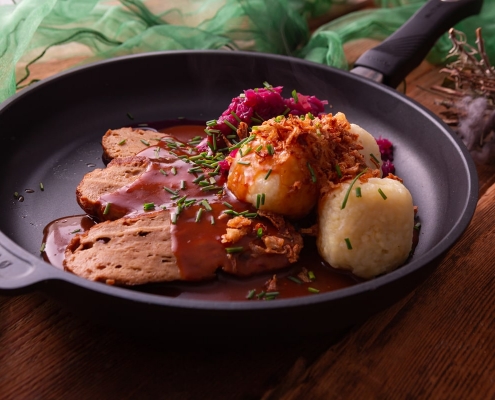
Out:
{"x": 31, "y": 29}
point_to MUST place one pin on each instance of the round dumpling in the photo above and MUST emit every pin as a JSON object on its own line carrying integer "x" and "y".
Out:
{"x": 370, "y": 150}
{"x": 373, "y": 233}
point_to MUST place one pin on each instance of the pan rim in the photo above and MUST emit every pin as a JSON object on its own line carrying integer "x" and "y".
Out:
{"x": 441, "y": 247}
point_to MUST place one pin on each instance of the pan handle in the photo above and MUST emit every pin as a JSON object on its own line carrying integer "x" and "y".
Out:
{"x": 406, "y": 48}
{"x": 17, "y": 275}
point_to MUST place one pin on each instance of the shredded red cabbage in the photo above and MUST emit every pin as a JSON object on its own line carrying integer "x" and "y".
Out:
{"x": 387, "y": 153}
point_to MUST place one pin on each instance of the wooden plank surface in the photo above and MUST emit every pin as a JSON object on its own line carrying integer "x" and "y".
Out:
{"x": 438, "y": 342}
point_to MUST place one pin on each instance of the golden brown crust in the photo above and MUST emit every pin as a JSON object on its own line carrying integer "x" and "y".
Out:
{"x": 128, "y": 251}
{"x": 127, "y": 142}
{"x": 118, "y": 173}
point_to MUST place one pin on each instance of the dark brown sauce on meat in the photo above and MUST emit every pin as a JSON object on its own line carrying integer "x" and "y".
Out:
{"x": 196, "y": 240}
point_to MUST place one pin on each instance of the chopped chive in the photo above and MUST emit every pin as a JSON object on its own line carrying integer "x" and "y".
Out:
{"x": 272, "y": 294}
{"x": 270, "y": 149}
{"x": 174, "y": 171}
{"x": 261, "y": 294}
{"x": 250, "y": 294}
{"x": 206, "y": 205}
{"x": 287, "y": 109}
{"x": 16, "y": 195}
{"x": 294, "y": 279}
{"x": 256, "y": 120}
{"x": 417, "y": 226}
{"x": 198, "y": 214}
{"x": 42, "y": 248}
{"x": 75, "y": 231}
{"x": 250, "y": 215}
{"x": 227, "y": 205}
{"x": 295, "y": 96}
{"x": 374, "y": 158}
{"x": 313, "y": 290}
{"x": 267, "y": 85}
{"x": 346, "y": 197}
{"x": 182, "y": 184}
{"x": 212, "y": 220}
{"x": 163, "y": 172}
{"x": 259, "y": 116}
{"x": 107, "y": 209}
{"x": 268, "y": 174}
{"x": 231, "y": 250}
{"x": 258, "y": 200}
{"x": 199, "y": 179}
{"x": 358, "y": 192}
{"x": 42, "y": 187}
{"x": 148, "y": 206}
{"x": 122, "y": 142}
{"x": 174, "y": 218}
{"x": 339, "y": 172}
{"x": 311, "y": 275}
{"x": 145, "y": 142}
{"x": 259, "y": 232}
{"x": 235, "y": 116}
{"x": 262, "y": 199}
{"x": 312, "y": 172}
{"x": 348, "y": 243}
{"x": 230, "y": 125}
{"x": 130, "y": 116}
{"x": 310, "y": 116}
{"x": 171, "y": 191}
{"x": 244, "y": 162}
{"x": 382, "y": 194}
{"x": 258, "y": 149}
{"x": 211, "y": 122}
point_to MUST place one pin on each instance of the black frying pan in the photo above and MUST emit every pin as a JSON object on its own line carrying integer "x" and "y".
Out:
{"x": 52, "y": 130}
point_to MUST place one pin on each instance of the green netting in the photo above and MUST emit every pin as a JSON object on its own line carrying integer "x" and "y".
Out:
{"x": 97, "y": 29}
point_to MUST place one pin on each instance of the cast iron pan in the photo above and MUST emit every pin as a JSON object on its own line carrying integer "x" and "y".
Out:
{"x": 52, "y": 130}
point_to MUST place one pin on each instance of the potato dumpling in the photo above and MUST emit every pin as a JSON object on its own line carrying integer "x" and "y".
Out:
{"x": 373, "y": 233}
{"x": 280, "y": 182}
{"x": 370, "y": 150}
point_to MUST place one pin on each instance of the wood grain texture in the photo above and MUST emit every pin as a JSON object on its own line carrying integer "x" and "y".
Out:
{"x": 436, "y": 343}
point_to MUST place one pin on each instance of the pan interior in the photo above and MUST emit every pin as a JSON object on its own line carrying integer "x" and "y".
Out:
{"x": 53, "y": 129}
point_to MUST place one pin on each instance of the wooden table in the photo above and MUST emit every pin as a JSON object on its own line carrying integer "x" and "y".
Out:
{"x": 438, "y": 342}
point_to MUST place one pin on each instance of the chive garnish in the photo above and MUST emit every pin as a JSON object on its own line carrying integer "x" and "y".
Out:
{"x": 174, "y": 170}
{"x": 235, "y": 116}
{"x": 311, "y": 275}
{"x": 145, "y": 142}
{"x": 163, "y": 172}
{"x": 244, "y": 162}
{"x": 206, "y": 205}
{"x": 270, "y": 149}
{"x": 211, "y": 122}
{"x": 350, "y": 187}
{"x": 171, "y": 191}
{"x": 250, "y": 294}
{"x": 130, "y": 115}
{"x": 294, "y": 279}
{"x": 230, "y": 125}
{"x": 42, "y": 248}
{"x": 148, "y": 206}
{"x": 417, "y": 226}
{"x": 42, "y": 187}
{"x": 231, "y": 250}
{"x": 174, "y": 218}
{"x": 312, "y": 172}
{"x": 227, "y": 205}
{"x": 262, "y": 199}
{"x": 259, "y": 232}
{"x": 310, "y": 116}
{"x": 75, "y": 231}
{"x": 287, "y": 109}
{"x": 198, "y": 214}
{"x": 268, "y": 174}
{"x": 339, "y": 172}
{"x": 16, "y": 195}
{"x": 348, "y": 243}
{"x": 382, "y": 194}
{"x": 107, "y": 209}
{"x": 212, "y": 220}
{"x": 261, "y": 294}
{"x": 122, "y": 142}
{"x": 295, "y": 96}
{"x": 258, "y": 200}
{"x": 258, "y": 149}
{"x": 374, "y": 158}
{"x": 183, "y": 184}
{"x": 358, "y": 192}
{"x": 313, "y": 290}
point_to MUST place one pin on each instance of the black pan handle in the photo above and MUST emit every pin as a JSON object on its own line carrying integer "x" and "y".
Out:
{"x": 17, "y": 275}
{"x": 406, "y": 48}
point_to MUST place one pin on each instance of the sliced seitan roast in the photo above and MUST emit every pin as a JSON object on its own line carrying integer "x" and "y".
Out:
{"x": 126, "y": 142}
{"x": 128, "y": 251}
